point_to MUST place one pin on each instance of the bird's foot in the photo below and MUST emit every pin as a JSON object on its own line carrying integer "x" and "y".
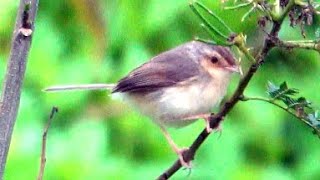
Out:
{"x": 209, "y": 129}
{"x": 207, "y": 120}
{"x": 180, "y": 152}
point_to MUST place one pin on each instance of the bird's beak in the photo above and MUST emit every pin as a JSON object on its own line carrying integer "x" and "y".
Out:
{"x": 234, "y": 68}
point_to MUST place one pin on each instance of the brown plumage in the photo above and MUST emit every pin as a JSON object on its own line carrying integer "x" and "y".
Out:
{"x": 176, "y": 87}
{"x": 169, "y": 68}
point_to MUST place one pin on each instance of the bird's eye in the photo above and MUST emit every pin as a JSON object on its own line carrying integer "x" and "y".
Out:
{"x": 214, "y": 59}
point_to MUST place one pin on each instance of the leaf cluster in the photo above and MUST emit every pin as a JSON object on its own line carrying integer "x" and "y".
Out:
{"x": 296, "y": 104}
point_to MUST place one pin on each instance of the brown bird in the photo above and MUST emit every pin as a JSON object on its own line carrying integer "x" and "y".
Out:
{"x": 176, "y": 87}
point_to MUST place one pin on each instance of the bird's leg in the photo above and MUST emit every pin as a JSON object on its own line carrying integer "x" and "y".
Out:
{"x": 206, "y": 118}
{"x": 176, "y": 149}
{"x": 208, "y": 127}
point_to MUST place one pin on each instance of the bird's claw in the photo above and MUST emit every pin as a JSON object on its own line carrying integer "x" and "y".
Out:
{"x": 208, "y": 128}
{"x": 186, "y": 164}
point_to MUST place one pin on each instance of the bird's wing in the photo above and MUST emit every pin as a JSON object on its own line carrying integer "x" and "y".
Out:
{"x": 165, "y": 70}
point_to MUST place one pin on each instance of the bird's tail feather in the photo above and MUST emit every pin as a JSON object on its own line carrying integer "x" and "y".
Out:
{"x": 79, "y": 87}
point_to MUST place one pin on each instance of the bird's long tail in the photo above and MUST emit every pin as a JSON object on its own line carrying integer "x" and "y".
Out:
{"x": 79, "y": 87}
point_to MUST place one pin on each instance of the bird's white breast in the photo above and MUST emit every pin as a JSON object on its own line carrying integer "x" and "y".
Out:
{"x": 171, "y": 105}
{"x": 179, "y": 103}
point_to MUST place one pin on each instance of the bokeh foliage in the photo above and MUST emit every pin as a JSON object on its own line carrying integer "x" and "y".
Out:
{"x": 97, "y": 137}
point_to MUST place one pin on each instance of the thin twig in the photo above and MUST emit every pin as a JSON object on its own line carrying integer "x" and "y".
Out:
{"x": 281, "y": 107}
{"x": 11, "y": 90}
{"x": 299, "y": 44}
{"x": 54, "y": 110}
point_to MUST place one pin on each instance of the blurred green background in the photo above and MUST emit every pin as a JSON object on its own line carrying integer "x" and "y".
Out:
{"x": 96, "y": 137}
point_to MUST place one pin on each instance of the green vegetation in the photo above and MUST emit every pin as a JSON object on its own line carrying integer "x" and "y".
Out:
{"x": 95, "y": 136}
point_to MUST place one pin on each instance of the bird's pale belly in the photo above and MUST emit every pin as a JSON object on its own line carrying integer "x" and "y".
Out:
{"x": 174, "y": 106}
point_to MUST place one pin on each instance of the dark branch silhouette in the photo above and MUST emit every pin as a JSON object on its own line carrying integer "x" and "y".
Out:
{"x": 216, "y": 119}
{"x": 237, "y": 95}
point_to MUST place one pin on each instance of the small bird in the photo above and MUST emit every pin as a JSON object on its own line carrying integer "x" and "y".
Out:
{"x": 176, "y": 87}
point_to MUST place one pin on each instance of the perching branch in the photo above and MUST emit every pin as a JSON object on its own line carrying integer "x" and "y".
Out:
{"x": 217, "y": 118}
{"x": 227, "y": 106}
{"x": 16, "y": 67}
{"x": 54, "y": 110}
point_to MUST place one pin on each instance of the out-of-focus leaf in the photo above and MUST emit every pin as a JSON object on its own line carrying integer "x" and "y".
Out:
{"x": 287, "y": 96}
{"x": 300, "y": 102}
{"x": 300, "y": 106}
{"x": 280, "y": 92}
{"x": 314, "y": 119}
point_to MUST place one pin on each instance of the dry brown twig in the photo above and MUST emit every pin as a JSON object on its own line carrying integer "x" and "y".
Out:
{"x": 54, "y": 110}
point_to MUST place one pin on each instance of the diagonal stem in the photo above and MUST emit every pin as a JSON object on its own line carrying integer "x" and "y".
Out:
{"x": 227, "y": 107}
{"x": 283, "y": 108}
{"x": 16, "y": 67}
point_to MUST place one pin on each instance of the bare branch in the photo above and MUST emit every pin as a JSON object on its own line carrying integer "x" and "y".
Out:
{"x": 301, "y": 118}
{"x": 311, "y": 45}
{"x": 54, "y": 110}
{"x": 16, "y": 67}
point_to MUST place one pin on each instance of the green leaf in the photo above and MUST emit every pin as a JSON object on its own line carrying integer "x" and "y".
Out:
{"x": 293, "y": 103}
{"x": 313, "y": 118}
{"x": 213, "y": 29}
{"x": 287, "y": 96}
{"x": 300, "y": 107}
{"x": 304, "y": 102}
{"x": 290, "y": 102}
{"x": 272, "y": 87}
{"x": 280, "y": 92}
